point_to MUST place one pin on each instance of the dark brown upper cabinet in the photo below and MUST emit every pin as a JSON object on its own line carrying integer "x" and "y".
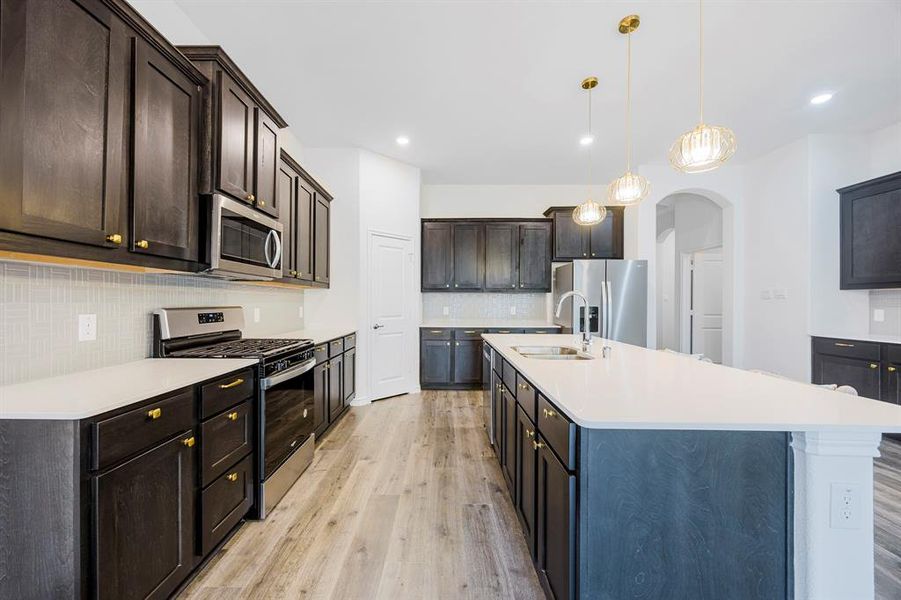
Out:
{"x": 871, "y": 234}
{"x": 299, "y": 197}
{"x": 165, "y": 201}
{"x": 572, "y": 241}
{"x": 241, "y": 146}
{"x": 99, "y": 125}
{"x": 490, "y": 255}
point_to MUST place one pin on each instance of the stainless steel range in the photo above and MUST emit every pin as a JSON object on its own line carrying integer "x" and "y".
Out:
{"x": 285, "y": 408}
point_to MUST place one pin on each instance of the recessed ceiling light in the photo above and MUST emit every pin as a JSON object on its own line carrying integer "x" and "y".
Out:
{"x": 821, "y": 98}
{"x": 402, "y": 140}
{"x": 586, "y": 140}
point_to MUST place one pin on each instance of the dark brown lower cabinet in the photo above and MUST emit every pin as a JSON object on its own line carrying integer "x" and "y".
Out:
{"x": 335, "y": 385}
{"x": 508, "y": 446}
{"x": 497, "y": 400}
{"x": 848, "y": 362}
{"x": 320, "y": 398}
{"x": 435, "y": 358}
{"x": 349, "y": 376}
{"x": 144, "y": 515}
{"x": 891, "y": 389}
{"x": 556, "y": 528}
{"x": 224, "y": 503}
{"x": 467, "y": 362}
{"x": 526, "y": 471}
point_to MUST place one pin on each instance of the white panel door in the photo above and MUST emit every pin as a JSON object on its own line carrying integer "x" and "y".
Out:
{"x": 392, "y": 333}
{"x": 707, "y": 305}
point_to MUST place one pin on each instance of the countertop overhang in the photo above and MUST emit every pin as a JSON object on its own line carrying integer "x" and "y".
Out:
{"x": 638, "y": 388}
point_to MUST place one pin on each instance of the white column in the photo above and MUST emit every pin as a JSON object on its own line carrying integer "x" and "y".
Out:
{"x": 834, "y": 514}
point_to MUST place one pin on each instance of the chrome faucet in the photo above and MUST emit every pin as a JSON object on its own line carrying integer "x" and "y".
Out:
{"x": 586, "y": 335}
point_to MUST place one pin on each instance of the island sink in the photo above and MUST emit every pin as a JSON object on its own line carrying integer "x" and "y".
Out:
{"x": 552, "y": 353}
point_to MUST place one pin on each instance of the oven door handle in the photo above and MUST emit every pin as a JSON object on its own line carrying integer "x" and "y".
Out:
{"x": 268, "y": 382}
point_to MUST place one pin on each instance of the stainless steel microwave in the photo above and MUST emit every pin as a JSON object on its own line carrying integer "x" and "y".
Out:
{"x": 244, "y": 243}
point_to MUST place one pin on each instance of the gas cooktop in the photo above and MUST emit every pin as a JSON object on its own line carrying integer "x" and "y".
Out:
{"x": 243, "y": 348}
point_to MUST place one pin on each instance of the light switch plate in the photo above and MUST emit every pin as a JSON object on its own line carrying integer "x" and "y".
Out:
{"x": 87, "y": 328}
{"x": 766, "y": 294}
{"x": 256, "y": 315}
{"x": 300, "y": 312}
{"x": 513, "y": 310}
{"x": 445, "y": 310}
{"x": 878, "y": 315}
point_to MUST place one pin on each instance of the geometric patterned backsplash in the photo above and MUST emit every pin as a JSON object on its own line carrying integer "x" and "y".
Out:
{"x": 889, "y": 302}
{"x": 40, "y": 304}
{"x": 484, "y": 306}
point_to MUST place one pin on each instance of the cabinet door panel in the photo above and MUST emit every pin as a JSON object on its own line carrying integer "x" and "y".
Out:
{"x": 435, "y": 362}
{"x": 266, "y": 171}
{"x": 335, "y": 387}
{"x": 535, "y": 256}
{"x": 236, "y": 117}
{"x": 467, "y": 361}
{"x": 437, "y": 256}
{"x": 570, "y": 239}
{"x": 526, "y": 470}
{"x": 863, "y": 375}
{"x": 350, "y": 375}
{"x": 870, "y": 244}
{"x": 891, "y": 389}
{"x": 501, "y": 250}
{"x": 496, "y": 412}
{"x": 607, "y": 236}
{"x": 468, "y": 256}
{"x": 165, "y": 201}
{"x": 320, "y": 398}
{"x": 287, "y": 191}
{"x": 508, "y": 463}
{"x": 556, "y": 534}
{"x": 63, "y": 97}
{"x": 322, "y": 232}
{"x": 303, "y": 232}
{"x": 149, "y": 498}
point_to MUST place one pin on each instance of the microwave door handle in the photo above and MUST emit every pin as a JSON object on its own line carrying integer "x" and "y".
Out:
{"x": 266, "y": 250}
{"x": 268, "y": 382}
{"x": 278, "y": 249}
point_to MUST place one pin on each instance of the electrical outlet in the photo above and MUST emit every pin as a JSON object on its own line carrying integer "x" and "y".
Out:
{"x": 87, "y": 328}
{"x": 300, "y": 312}
{"x": 878, "y": 315}
{"x": 766, "y": 294}
{"x": 513, "y": 310}
{"x": 445, "y": 310}
{"x": 256, "y": 315}
{"x": 845, "y": 506}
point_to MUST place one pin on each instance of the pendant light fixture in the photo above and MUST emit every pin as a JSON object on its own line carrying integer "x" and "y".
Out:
{"x": 705, "y": 147}
{"x": 630, "y": 188}
{"x": 589, "y": 212}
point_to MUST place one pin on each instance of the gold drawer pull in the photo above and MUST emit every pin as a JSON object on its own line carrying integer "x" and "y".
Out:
{"x": 844, "y": 345}
{"x": 469, "y": 332}
{"x": 523, "y": 386}
{"x": 250, "y": 197}
{"x": 549, "y": 414}
{"x": 235, "y": 383}
{"x": 504, "y": 331}
{"x": 456, "y": 343}
{"x": 261, "y": 203}
{"x": 529, "y": 433}
{"x": 292, "y": 273}
{"x": 436, "y": 331}
{"x": 232, "y": 477}
{"x": 142, "y": 244}
{"x": 874, "y": 366}
{"x": 320, "y": 349}
{"x": 155, "y": 413}
{"x": 114, "y": 238}
{"x": 233, "y": 416}
{"x": 537, "y": 445}
{"x": 189, "y": 442}
{"x": 891, "y": 369}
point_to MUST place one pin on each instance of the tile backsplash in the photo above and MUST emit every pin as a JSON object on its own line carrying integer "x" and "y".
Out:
{"x": 39, "y": 308}
{"x": 480, "y": 306}
{"x": 889, "y": 302}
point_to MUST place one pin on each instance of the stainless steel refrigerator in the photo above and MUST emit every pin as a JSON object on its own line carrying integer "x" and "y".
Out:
{"x": 617, "y": 293}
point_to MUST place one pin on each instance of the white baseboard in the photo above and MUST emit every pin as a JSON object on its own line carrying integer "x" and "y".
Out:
{"x": 360, "y": 401}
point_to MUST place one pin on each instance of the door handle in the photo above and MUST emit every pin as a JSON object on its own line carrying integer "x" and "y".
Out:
{"x": 377, "y": 326}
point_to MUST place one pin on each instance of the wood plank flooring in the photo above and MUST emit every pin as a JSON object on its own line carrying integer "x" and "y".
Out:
{"x": 887, "y": 497}
{"x": 404, "y": 499}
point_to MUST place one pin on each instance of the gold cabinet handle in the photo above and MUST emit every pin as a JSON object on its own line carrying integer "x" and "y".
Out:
{"x": 549, "y": 414}
{"x": 298, "y": 274}
{"x": 142, "y": 244}
{"x": 456, "y": 343}
{"x": 529, "y": 433}
{"x": 537, "y": 445}
{"x": 874, "y": 366}
{"x": 251, "y": 197}
{"x": 114, "y": 238}
{"x": 235, "y": 383}
{"x": 891, "y": 369}
{"x": 504, "y": 331}
{"x": 448, "y": 343}
{"x": 844, "y": 345}
{"x": 233, "y": 416}
{"x": 189, "y": 442}
{"x": 469, "y": 332}
{"x": 319, "y": 349}
{"x": 261, "y": 203}
{"x": 232, "y": 477}
{"x": 155, "y": 413}
{"x": 436, "y": 331}
{"x": 292, "y": 273}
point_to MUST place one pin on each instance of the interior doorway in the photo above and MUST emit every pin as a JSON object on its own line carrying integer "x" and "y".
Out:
{"x": 691, "y": 276}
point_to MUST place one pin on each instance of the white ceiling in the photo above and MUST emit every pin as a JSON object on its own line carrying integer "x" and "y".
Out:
{"x": 488, "y": 92}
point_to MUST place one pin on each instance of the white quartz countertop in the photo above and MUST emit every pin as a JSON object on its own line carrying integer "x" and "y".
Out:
{"x": 487, "y": 323}
{"x": 637, "y": 388}
{"x": 317, "y": 334}
{"x": 867, "y": 337}
{"x": 89, "y": 393}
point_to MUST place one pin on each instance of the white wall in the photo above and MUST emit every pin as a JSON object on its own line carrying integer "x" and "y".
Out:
{"x": 666, "y": 290}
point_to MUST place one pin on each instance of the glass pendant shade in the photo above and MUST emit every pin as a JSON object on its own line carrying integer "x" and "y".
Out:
{"x": 589, "y": 213}
{"x": 704, "y": 148}
{"x": 629, "y": 189}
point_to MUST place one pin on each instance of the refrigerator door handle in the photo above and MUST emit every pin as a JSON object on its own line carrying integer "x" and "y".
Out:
{"x": 609, "y": 309}
{"x": 603, "y": 328}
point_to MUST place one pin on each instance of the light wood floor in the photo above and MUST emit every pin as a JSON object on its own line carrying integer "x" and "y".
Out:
{"x": 403, "y": 500}
{"x": 887, "y": 498}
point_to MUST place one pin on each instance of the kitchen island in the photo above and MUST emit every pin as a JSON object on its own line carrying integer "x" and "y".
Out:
{"x": 648, "y": 474}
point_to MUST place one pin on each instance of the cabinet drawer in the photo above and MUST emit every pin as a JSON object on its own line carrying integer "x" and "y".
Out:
{"x": 224, "y": 503}
{"x": 130, "y": 432}
{"x": 509, "y": 376}
{"x": 559, "y": 432}
{"x": 893, "y": 354}
{"x": 224, "y": 440}
{"x": 225, "y": 392}
{"x": 498, "y": 364}
{"x": 335, "y": 347}
{"x": 320, "y": 352}
{"x": 847, "y": 348}
{"x": 350, "y": 341}
{"x": 436, "y": 333}
{"x": 468, "y": 334}
{"x": 525, "y": 397}
{"x": 505, "y": 331}
{"x": 543, "y": 330}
